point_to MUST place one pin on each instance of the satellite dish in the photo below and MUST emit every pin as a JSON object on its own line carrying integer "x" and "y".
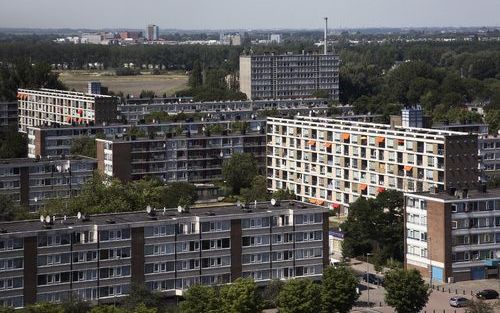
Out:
{"x": 47, "y": 219}
{"x": 273, "y": 202}
{"x": 148, "y": 209}
{"x": 65, "y": 218}
{"x": 238, "y": 204}
{"x": 164, "y": 210}
{"x": 79, "y": 215}
{"x": 258, "y": 128}
{"x": 179, "y": 209}
{"x": 42, "y": 218}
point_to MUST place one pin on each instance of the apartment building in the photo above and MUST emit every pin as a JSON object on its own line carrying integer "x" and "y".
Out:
{"x": 57, "y": 107}
{"x": 190, "y": 152}
{"x": 289, "y": 75}
{"x": 489, "y": 153}
{"x": 135, "y": 110}
{"x": 97, "y": 258}
{"x": 8, "y": 113}
{"x": 333, "y": 162}
{"x": 31, "y": 182}
{"x": 453, "y": 236}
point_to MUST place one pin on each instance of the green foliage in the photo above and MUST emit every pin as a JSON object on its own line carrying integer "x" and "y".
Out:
{"x": 270, "y": 293}
{"x": 200, "y": 299}
{"x": 239, "y": 171}
{"x": 107, "y": 309}
{"x": 147, "y": 94}
{"x": 196, "y": 76}
{"x": 134, "y": 131}
{"x": 45, "y": 308}
{"x": 405, "y": 291}
{"x": 493, "y": 119}
{"x": 338, "y": 289}
{"x": 375, "y": 226}
{"x": 300, "y": 296}
{"x": 12, "y": 143}
{"x": 10, "y": 210}
{"x": 240, "y": 297}
{"x": 240, "y": 126}
{"x": 127, "y": 71}
{"x": 165, "y": 117}
{"x": 257, "y": 190}
{"x": 76, "y": 306}
{"x": 85, "y": 146}
{"x": 103, "y": 195}
{"x": 479, "y": 306}
{"x": 323, "y": 94}
{"x": 284, "y": 194}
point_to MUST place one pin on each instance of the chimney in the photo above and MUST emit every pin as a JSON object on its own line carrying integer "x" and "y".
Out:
{"x": 326, "y": 30}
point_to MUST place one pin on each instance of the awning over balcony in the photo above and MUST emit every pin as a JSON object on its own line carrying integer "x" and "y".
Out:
{"x": 379, "y": 139}
{"x": 346, "y": 136}
{"x": 311, "y": 142}
{"x": 328, "y": 144}
{"x": 408, "y": 167}
{"x": 380, "y": 189}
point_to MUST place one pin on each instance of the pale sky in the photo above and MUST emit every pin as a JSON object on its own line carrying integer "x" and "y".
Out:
{"x": 247, "y": 14}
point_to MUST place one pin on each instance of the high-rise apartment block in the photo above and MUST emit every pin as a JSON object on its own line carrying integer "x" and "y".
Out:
{"x": 152, "y": 32}
{"x": 31, "y": 182}
{"x": 8, "y": 113}
{"x": 453, "y": 236}
{"x": 289, "y": 75}
{"x": 190, "y": 152}
{"x": 489, "y": 154}
{"x": 97, "y": 258}
{"x": 94, "y": 88}
{"x": 334, "y": 162}
{"x": 57, "y": 107}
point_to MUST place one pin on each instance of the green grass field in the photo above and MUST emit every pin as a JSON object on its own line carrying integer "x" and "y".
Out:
{"x": 133, "y": 85}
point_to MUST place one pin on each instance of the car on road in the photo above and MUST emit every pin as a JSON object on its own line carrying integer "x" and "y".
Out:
{"x": 458, "y": 302}
{"x": 373, "y": 279}
{"x": 487, "y": 294}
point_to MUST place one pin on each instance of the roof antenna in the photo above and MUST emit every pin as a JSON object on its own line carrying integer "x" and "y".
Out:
{"x": 326, "y": 30}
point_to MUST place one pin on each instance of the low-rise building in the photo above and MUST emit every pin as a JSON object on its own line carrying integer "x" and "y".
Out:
{"x": 453, "y": 236}
{"x": 333, "y": 162}
{"x": 31, "y": 182}
{"x": 57, "y": 107}
{"x": 190, "y": 152}
{"x": 97, "y": 258}
{"x": 489, "y": 154}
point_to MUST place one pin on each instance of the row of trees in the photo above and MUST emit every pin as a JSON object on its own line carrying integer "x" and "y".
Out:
{"x": 336, "y": 293}
{"x": 107, "y": 195}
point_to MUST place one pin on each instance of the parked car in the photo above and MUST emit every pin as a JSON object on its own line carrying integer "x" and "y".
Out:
{"x": 487, "y": 294}
{"x": 373, "y": 279}
{"x": 458, "y": 302}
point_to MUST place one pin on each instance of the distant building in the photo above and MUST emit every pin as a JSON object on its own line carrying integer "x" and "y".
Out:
{"x": 453, "y": 236}
{"x": 152, "y": 32}
{"x": 230, "y": 39}
{"x": 489, "y": 154}
{"x": 8, "y": 113}
{"x": 91, "y": 38}
{"x": 275, "y": 38}
{"x": 31, "y": 182}
{"x": 473, "y": 128}
{"x": 411, "y": 116}
{"x": 130, "y": 35}
{"x": 94, "y": 88}
{"x": 99, "y": 258}
{"x": 58, "y": 107}
{"x": 289, "y": 75}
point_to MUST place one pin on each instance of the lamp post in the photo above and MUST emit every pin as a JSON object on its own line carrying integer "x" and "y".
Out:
{"x": 368, "y": 278}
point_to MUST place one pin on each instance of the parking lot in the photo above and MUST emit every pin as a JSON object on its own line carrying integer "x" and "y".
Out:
{"x": 438, "y": 299}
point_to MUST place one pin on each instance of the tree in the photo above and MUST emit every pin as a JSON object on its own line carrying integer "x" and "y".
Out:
{"x": 257, "y": 191}
{"x": 300, "y": 296}
{"x": 85, "y": 146}
{"x": 478, "y": 306}
{"x": 10, "y": 210}
{"x": 12, "y": 143}
{"x": 179, "y": 193}
{"x": 270, "y": 293}
{"x": 323, "y": 94}
{"x": 200, "y": 299}
{"x": 139, "y": 296}
{"x": 45, "y": 307}
{"x": 338, "y": 289}
{"x": 76, "y": 306}
{"x": 240, "y": 297}
{"x": 284, "y": 194}
{"x": 405, "y": 291}
{"x": 196, "y": 76}
{"x": 107, "y": 309}
{"x": 239, "y": 171}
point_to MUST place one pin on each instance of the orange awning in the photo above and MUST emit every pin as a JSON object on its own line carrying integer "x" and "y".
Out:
{"x": 311, "y": 142}
{"x": 319, "y": 202}
{"x": 380, "y": 189}
{"x": 401, "y": 142}
{"x": 312, "y": 200}
{"x": 408, "y": 167}
{"x": 328, "y": 144}
{"x": 336, "y": 205}
{"x": 346, "y": 136}
{"x": 379, "y": 139}
{"x": 363, "y": 186}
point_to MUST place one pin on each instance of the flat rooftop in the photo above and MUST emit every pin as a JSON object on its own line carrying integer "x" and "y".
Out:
{"x": 472, "y": 194}
{"x": 24, "y": 161}
{"x": 142, "y": 216}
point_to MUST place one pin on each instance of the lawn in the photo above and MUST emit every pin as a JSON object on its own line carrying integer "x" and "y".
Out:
{"x": 160, "y": 84}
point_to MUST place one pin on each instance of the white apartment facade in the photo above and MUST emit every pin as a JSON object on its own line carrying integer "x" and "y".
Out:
{"x": 333, "y": 162}
{"x": 58, "y": 107}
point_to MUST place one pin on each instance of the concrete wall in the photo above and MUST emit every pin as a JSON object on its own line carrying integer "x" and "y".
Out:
{"x": 246, "y": 76}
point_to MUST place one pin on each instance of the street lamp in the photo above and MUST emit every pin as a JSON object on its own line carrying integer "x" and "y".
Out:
{"x": 368, "y": 277}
